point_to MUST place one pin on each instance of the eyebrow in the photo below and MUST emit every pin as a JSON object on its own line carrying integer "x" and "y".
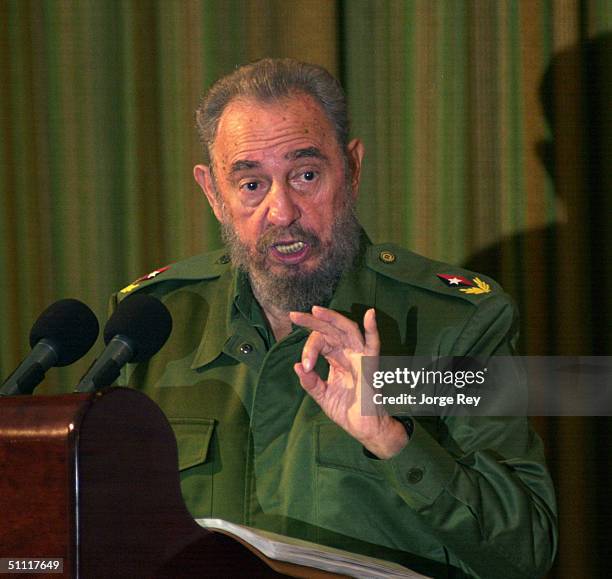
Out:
{"x": 243, "y": 164}
{"x": 307, "y": 152}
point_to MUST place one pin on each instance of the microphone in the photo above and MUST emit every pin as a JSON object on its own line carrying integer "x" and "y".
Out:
{"x": 61, "y": 335}
{"x": 137, "y": 330}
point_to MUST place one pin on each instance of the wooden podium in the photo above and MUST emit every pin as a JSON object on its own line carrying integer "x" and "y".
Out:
{"x": 93, "y": 479}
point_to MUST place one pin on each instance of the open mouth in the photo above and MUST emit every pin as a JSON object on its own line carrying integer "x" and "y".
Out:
{"x": 289, "y": 248}
{"x": 290, "y": 251}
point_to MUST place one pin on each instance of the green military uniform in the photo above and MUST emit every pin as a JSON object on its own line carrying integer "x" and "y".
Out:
{"x": 466, "y": 495}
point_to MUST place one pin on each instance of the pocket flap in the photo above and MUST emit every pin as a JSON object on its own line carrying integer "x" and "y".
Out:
{"x": 193, "y": 436}
{"x": 337, "y": 449}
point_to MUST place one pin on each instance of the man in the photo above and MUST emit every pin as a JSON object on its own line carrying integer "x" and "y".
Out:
{"x": 259, "y": 378}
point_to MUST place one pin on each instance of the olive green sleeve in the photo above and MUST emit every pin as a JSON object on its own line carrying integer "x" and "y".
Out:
{"x": 481, "y": 484}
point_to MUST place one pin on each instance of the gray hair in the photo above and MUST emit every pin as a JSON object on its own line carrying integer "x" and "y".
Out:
{"x": 268, "y": 80}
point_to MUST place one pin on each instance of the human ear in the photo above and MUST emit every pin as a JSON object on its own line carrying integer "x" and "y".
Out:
{"x": 355, "y": 151}
{"x": 204, "y": 179}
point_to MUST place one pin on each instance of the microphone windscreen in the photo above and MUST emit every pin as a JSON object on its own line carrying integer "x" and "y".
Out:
{"x": 144, "y": 320}
{"x": 70, "y": 325}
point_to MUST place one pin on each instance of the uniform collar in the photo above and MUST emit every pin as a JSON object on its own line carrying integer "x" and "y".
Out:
{"x": 217, "y": 330}
{"x": 245, "y": 305}
{"x": 356, "y": 291}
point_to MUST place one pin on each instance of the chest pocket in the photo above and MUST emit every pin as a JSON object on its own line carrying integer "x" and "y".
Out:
{"x": 195, "y": 440}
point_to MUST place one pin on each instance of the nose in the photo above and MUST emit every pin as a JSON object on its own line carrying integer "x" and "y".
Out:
{"x": 282, "y": 209}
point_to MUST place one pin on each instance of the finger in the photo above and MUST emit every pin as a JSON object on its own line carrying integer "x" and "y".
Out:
{"x": 312, "y": 323}
{"x": 315, "y": 345}
{"x": 347, "y": 327}
{"x": 318, "y": 344}
{"x": 311, "y": 382}
{"x": 372, "y": 338}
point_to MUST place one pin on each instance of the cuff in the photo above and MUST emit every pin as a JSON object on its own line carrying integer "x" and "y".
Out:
{"x": 420, "y": 471}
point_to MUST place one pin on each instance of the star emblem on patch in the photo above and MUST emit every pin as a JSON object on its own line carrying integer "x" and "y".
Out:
{"x": 147, "y": 277}
{"x": 465, "y": 285}
{"x": 152, "y": 274}
{"x": 453, "y": 280}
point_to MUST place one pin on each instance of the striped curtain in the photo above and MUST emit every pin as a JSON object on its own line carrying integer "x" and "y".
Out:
{"x": 487, "y": 126}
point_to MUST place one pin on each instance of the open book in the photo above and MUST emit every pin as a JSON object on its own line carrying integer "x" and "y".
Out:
{"x": 298, "y": 552}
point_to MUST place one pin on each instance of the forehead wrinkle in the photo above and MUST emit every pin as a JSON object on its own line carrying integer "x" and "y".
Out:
{"x": 250, "y": 147}
{"x": 257, "y": 124}
{"x": 250, "y": 131}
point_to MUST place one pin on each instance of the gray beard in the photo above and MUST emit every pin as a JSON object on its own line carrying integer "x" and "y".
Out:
{"x": 296, "y": 290}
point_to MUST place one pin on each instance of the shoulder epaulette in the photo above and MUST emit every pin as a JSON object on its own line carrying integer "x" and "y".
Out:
{"x": 199, "y": 267}
{"x": 407, "y": 267}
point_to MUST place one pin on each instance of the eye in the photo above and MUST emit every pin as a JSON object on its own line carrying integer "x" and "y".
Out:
{"x": 305, "y": 176}
{"x": 250, "y": 186}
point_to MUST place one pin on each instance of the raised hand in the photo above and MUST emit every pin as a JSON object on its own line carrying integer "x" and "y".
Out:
{"x": 340, "y": 341}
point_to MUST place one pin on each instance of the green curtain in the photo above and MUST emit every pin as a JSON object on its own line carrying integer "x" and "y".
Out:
{"x": 487, "y": 127}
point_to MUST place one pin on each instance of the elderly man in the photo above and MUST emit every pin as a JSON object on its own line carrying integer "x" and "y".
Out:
{"x": 259, "y": 378}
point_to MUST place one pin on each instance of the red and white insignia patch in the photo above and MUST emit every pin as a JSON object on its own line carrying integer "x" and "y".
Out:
{"x": 151, "y": 275}
{"x": 147, "y": 277}
{"x": 455, "y": 280}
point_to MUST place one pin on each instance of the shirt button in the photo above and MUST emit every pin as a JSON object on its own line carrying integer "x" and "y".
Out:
{"x": 387, "y": 256}
{"x": 414, "y": 475}
{"x": 246, "y": 348}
